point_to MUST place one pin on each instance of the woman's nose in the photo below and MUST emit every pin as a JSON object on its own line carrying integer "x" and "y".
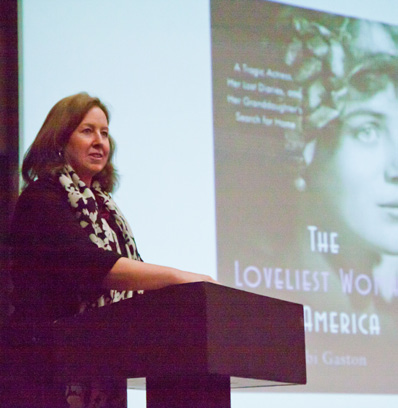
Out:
{"x": 391, "y": 165}
{"x": 98, "y": 139}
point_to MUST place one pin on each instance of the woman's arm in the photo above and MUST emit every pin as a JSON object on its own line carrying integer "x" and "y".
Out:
{"x": 48, "y": 238}
{"x": 128, "y": 274}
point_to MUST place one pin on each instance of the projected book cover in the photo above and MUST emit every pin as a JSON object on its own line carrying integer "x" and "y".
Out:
{"x": 306, "y": 161}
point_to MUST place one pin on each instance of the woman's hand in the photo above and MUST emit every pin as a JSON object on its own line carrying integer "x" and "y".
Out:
{"x": 128, "y": 274}
{"x": 188, "y": 277}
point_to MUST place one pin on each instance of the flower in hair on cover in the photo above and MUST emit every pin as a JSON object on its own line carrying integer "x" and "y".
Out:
{"x": 327, "y": 62}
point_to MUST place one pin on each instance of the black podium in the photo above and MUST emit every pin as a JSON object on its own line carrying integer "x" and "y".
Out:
{"x": 188, "y": 345}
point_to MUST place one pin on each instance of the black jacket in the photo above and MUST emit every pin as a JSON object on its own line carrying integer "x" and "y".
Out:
{"x": 54, "y": 264}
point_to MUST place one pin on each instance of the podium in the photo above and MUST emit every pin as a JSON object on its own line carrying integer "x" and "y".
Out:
{"x": 188, "y": 345}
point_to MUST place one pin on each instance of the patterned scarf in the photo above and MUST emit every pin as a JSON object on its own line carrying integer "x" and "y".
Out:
{"x": 85, "y": 204}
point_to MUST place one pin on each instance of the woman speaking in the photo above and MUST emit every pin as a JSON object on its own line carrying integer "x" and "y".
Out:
{"x": 72, "y": 248}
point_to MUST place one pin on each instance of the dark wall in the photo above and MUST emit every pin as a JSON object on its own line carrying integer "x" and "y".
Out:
{"x": 8, "y": 136}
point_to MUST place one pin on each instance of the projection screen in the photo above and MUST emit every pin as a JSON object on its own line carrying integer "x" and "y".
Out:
{"x": 255, "y": 142}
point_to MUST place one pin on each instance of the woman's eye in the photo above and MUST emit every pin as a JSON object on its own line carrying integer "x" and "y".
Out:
{"x": 86, "y": 131}
{"x": 368, "y": 133}
{"x": 105, "y": 134}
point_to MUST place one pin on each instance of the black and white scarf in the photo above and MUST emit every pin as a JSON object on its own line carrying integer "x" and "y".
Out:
{"x": 83, "y": 200}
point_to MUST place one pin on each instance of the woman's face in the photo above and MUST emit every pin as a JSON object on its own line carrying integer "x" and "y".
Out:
{"x": 88, "y": 147}
{"x": 358, "y": 177}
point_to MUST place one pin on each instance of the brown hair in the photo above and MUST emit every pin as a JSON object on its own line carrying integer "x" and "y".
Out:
{"x": 45, "y": 156}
